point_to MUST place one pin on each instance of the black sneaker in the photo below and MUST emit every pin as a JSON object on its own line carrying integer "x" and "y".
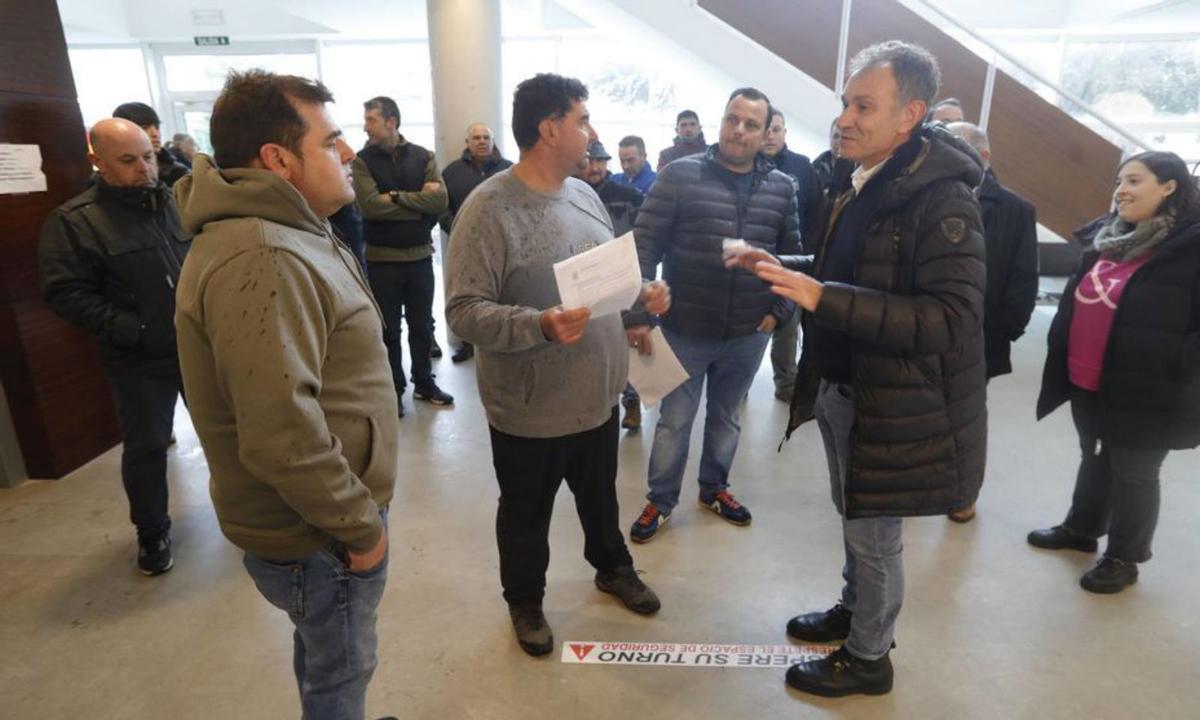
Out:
{"x": 1109, "y": 576}
{"x": 629, "y": 588}
{"x": 840, "y": 673}
{"x": 533, "y": 632}
{"x": 154, "y": 554}
{"x": 465, "y": 352}
{"x": 1061, "y": 537}
{"x": 435, "y": 350}
{"x": 820, "y": 627}
{"x": 726, "y": 505}
{"x": 431, "y": 393}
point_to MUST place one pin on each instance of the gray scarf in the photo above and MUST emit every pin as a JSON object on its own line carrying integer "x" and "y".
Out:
{"x": 1120, "y": 241}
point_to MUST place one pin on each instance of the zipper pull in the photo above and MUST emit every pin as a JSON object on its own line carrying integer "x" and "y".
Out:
{"x": 170, "y": 282}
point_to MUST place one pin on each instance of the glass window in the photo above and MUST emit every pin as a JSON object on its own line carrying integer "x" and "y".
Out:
{"x": 400, "y": 70}
{"x": 633, "y": 90}
{"x": 1136, "y": 78}
{"x": 107, "y": 77}
{"x": 206, "y": 73}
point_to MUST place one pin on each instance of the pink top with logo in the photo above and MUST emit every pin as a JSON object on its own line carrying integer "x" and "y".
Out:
{"x": 1096, "y": 299}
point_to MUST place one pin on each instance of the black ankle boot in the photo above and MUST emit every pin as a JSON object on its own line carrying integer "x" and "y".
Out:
{"x": 818, "y": 627}
{"x": 840, "y": 673}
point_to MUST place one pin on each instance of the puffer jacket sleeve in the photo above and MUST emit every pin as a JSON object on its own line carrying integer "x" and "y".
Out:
{"x": 946, "y": 304}
{"x": 652, "y": 232}
{"x": 788, "y": 244}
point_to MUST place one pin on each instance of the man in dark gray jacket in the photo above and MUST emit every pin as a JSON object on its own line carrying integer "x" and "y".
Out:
{"x": 110, "y": 260}
{"x": 893, "y": 363}
{"x": 720, "y": 322}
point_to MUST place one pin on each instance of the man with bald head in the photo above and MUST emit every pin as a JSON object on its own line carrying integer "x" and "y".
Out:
{"x": 1010, "y": 231}
{"x": 110, "y": 259}
{"x": 480, "y": 160}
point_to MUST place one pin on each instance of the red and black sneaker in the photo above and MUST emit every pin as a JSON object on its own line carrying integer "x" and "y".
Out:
{"x": 648, "y": 523}
{"x": 726, "y": 505}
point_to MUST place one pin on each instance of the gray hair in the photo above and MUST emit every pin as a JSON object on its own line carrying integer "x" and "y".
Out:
{"x": 915, "y": 68}
{"x": 972, "y": 133}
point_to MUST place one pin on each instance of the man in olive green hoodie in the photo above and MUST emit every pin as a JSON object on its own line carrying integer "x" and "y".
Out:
{"x": 281, "y": 348}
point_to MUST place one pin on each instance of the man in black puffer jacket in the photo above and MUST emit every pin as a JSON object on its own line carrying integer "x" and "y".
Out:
{"x": 109, "y": 262}
{"x": 719, "y": 322}
{"x": 893, "y": 364}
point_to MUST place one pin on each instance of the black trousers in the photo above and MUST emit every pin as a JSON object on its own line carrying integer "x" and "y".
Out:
{"x": 529, "y": 471}
{"x": 1116, "y": 488}
{"x": 145, "y": 400}
{"x": 406, "y": 289}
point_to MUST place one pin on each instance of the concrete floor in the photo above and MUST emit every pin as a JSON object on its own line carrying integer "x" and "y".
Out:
{"x": 991, "y": 628}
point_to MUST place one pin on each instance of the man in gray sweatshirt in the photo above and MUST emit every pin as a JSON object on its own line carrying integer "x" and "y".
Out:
{"x": 548, "y": 376}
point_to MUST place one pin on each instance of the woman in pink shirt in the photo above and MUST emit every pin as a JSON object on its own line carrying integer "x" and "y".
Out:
{"x": 1124, "y": 349}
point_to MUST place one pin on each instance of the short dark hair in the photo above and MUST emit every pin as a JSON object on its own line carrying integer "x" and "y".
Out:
{"x": 257, "y": 107}
{"x": 1167, "y": 166}
{"x": 753, "y": 95}
{"x": 138, "y": 113}
{"x": 386, "y": 106}
{"x": 686, "y": 115}
{"x": 777, "y": 112}
{"x": 633, "y": 141}
{"x": 544, "y": 96}
{"x": 916, "y": 70}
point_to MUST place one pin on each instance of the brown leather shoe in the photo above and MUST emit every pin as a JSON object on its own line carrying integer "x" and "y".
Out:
{"x": 965, "y": 515}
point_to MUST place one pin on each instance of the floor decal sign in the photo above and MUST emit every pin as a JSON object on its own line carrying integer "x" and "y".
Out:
{"x": 593, "y": 652}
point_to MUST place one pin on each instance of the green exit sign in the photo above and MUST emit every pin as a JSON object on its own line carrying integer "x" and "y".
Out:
{"x": 211, "y": 40}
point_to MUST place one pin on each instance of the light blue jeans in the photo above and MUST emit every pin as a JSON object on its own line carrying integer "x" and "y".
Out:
{"x": 729, "y": 366}
{"x": 874, "y": 568}
{"x": 333, "y": 610}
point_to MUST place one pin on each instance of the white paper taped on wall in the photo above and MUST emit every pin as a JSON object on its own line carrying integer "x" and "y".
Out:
{"x": 21, "y": 169}
{"x": 594, "y": 652}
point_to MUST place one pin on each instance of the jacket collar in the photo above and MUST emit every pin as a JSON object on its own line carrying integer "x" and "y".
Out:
{"x": 151, "y": 197}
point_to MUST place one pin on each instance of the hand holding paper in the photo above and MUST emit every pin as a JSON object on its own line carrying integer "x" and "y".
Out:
{"x": 606, "y": 279}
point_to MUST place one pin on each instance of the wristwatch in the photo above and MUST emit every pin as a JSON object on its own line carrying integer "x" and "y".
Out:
{"x": 393, "y": 194}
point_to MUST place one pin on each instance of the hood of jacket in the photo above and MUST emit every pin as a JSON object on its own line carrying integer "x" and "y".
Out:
{"x": 942, "y": 155}
{"x": 210, "y": 194}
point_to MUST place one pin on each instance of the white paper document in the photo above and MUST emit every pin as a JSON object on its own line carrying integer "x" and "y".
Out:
{"x": 657, "y": 374}
{"x": 607, "y": 279}
{"x": 21, "y": 169}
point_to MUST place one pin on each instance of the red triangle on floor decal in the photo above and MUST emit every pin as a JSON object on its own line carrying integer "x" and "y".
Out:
{"x": 581, "y": 651}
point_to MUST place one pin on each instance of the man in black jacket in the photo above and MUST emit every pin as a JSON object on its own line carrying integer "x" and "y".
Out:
{"x": 892, "y": 365}
{"x": 480, "y": 160}
{"x": 400, "y": 193}
{"x": 144, "y": 116}
{"x": 109, "y": 261}
{"x": 730, "y": 198}
{"x": 689, "y": 139}
{"x": 808, "y": 205}
{"x": 1010, "y": 229}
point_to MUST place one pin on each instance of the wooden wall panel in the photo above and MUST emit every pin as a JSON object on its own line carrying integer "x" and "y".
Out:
{"x": 59, "y": 400}
{"x": 1041, "y": 152}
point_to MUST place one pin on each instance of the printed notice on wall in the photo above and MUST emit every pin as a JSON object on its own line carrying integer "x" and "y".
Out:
{"x": 21, "y": 169}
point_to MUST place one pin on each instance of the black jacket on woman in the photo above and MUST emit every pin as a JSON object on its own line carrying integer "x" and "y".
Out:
{"x": 1150, "y": 385}
{"x": 914, "y": 317}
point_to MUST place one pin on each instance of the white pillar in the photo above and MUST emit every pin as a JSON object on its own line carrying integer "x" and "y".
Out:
{"x": 464, "y": 52}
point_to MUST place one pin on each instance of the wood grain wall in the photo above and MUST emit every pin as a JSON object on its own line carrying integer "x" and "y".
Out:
{"x": 1038, "y": 150}
{"x": 60, "y": 403}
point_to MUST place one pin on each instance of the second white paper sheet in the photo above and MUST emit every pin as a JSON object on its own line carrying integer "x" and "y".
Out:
{"x": 606, "y": 278}
{"x": 657, "y": 374}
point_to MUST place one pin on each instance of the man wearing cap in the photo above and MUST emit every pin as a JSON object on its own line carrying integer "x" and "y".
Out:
{"x": 144, "y": 116}
{"x": 622, "y": 203}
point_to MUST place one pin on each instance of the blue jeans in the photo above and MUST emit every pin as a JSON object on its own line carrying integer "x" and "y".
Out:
{"x": 874, "y": 568}
{"x": 729, "y": 366}
{"x": 333, "y": 610}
